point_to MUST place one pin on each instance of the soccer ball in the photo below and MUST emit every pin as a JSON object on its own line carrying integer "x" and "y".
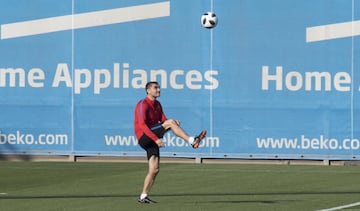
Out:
{"x": 209, "y": 20}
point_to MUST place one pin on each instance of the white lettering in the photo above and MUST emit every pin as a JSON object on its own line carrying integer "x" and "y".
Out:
{"x": 293, "y": 77}
{"x": 119, "y": 75}
{"x": 82, "y": 79}
{"x": 193, "y": 79}
{"x": 140, "y": 81}
{"x": 342, "y": 81}
{"x": 277, "y": 78}
{"x": 308, "y": 81}
{"x": 98, "y": 82}
{"x": 13, "y": 73}
{"x": 214, "y": 83}
{"x": 36, "y": 78}
{"x": 62, "y": 74}
{"x": 173, "y": 76}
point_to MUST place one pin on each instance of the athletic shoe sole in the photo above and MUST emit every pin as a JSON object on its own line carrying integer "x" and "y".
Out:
{"x": 146, "y": 201}
{"x": 198, "y": 139}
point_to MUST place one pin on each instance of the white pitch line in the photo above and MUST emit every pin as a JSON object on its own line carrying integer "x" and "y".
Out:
{"x": 332, "y": 31}
{"x": 342, "y": 207}
{"x": 85, "y": 20}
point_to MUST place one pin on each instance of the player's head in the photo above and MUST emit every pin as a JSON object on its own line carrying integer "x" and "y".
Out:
{"x": 152, "y": 89}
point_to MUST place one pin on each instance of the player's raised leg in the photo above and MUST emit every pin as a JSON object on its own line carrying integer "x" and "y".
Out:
{"x": 178, "y": 131}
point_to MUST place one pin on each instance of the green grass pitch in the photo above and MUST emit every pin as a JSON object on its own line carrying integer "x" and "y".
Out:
{"x": 115, "y": 186}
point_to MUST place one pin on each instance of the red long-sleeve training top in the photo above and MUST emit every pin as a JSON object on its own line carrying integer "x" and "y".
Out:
{"x": 148, "y": 113}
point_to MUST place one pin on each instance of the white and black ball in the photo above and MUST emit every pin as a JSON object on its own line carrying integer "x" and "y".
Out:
{"x": 209, "y": 20}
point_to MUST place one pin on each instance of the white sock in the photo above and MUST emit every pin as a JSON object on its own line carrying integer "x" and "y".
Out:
{"x": 191, "y": 140}
{"x": 143, "y": 196}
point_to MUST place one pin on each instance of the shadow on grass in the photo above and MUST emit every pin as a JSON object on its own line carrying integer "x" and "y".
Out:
{"x": 15, "y": 157}
{"x": 9, "y": 150}
{"x": 244, "y": 201}
{"x": 9, "y": 196}
{"x": 13, "y": 153}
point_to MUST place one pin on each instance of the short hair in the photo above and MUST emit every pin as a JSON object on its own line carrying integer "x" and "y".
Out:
{"x": 149, "y": 84}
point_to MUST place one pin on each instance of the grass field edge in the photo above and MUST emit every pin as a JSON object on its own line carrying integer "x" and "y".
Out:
{"x": 131, "y": 159}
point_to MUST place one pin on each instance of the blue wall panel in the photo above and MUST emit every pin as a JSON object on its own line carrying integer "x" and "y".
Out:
{"x": 274, "y": 79}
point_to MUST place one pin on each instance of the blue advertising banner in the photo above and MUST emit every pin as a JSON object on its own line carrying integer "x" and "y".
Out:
{"x": 274, "y": 79}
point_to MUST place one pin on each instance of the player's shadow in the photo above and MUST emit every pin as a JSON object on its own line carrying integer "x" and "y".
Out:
{"x": 72, "y": 196}
{"x": 246, "y": 201}
{"x": 12, "y": 151}
{"x": 265, "y": 194}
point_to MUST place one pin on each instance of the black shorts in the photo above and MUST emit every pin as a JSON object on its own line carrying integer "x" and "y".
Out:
{"x": 148, "y": 144}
